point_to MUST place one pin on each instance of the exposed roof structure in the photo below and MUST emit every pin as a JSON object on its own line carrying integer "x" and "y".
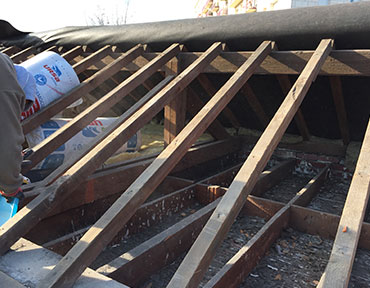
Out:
{"x": 215, "y": 75}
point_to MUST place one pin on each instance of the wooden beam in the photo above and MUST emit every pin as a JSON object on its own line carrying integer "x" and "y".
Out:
{"x": 102, "y": 105}
{"x": 338, "y": 270}
{"x": 82, "y": 65}
{"x": 211, "y": 90}
{"x": 255, "y": 105}
{"x": 340, "y": 107}
{"x": 193, "y": 267}
{"x": 23, "y": 55}
{"x": 243, "y": 262}
{"x": 91, "y": 244}
{"x": 340, "y": 62}
{"x": 85, "y": 87}
{"x": 298, "y": 118}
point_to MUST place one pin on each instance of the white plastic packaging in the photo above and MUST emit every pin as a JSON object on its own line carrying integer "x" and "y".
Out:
{"x": 54, "y": 76}
{"x": 77, "y": 142}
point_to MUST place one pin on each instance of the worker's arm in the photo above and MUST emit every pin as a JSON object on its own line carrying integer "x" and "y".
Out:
{"x": 11, "y": 136}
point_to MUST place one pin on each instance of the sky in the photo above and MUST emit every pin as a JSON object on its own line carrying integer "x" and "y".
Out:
{"x": 43, "y": 15}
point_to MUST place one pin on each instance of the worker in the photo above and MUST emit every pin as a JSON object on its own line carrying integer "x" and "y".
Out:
{"x": 17, "y": 93}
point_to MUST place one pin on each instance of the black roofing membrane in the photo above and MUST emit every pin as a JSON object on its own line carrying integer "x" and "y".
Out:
{"x": 292, "y": 29}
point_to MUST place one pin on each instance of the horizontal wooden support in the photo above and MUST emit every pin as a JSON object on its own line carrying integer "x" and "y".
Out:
{"x": 340, "y": 62}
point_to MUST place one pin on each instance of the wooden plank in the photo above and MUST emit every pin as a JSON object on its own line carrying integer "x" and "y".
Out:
{"x": 298, "y": 118}
{"x": 85, "y": 87}
{"x": 82, "y": 65}
{"x": 255, "y": 105}
{"x": 243, "y": 262}
{"x": 340, "y": 107}
{"x": 102, "y": 105}
{"x": 23, "y": 55}
{"x": 30, "y": 215}
{"x": 7, "y": 281}
{"x": 208, "y": 86}
{"x": 340, "y": 62}
{"x": 192, "y": 269}
{"x": 100, "y": 234}
{"x": 194, "y": 104}
{"x": 72, "y": 53}
{"x": 338, "y": 271}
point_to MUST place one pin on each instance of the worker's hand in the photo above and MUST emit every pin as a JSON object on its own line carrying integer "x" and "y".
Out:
{"x": 25, "y": 154}
{"x": 9, "y": 196}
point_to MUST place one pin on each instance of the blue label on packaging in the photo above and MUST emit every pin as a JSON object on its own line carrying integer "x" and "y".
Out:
{"x": 40, "y": 79}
